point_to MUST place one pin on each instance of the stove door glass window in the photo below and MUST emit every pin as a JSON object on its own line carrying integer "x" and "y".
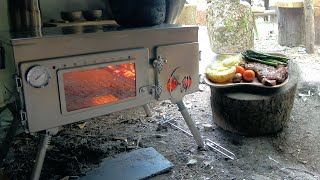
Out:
{"x": 94, "y": 87}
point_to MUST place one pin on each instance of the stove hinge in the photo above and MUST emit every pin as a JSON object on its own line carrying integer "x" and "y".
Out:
{"x": 23, "y": 113}
{"x": 19, "y": 90}
{"x": 158, "y": 65}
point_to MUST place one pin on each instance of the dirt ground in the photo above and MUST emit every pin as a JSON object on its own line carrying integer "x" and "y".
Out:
{"x": 290, "y": 154}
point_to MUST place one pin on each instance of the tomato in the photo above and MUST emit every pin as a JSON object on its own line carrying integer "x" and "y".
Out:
{"x": 240, "y": 69}
{"x": 248, "y": 75}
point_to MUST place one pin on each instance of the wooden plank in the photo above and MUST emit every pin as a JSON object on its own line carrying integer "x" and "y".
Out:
{"x": 309, "y": 22}
{"x": 291, "y": 27}
{"x": 256, "y": 9}
{"x": 289, "y": 3}
{"x": 292, "y": 3}
{"x": 81, "y": 23}
{"x": 265, "y": 13}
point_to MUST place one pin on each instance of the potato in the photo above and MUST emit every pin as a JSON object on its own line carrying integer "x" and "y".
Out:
{"x": 232, "y": 60}
{"x": 218, "y": 73}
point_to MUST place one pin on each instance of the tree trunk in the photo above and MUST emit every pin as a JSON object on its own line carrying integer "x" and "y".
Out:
{"x": 291, "y": 25}
{"x": 317, "y": 24}
{"x": 266, "y": 6}
{"x": 253, "y": 111}
{"x": 309, "y": 22}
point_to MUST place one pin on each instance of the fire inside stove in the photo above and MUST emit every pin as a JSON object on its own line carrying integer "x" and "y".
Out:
{"x": 94, "y": 87}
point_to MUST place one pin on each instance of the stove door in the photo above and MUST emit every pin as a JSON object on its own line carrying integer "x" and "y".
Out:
{"x": 70, "y": 89}
{"x": 179, "y": 71}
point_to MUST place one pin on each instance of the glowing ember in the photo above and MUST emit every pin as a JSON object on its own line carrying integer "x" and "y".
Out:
{"x": 94, "y": 87}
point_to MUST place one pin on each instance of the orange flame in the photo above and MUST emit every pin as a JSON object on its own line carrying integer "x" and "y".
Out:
{"x": 94, "y": 87}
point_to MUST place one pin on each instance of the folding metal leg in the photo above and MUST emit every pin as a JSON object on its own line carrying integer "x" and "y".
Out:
{"x": 42, "y": 149}
{"x": 194, "y": 130}
{"x": 147, "y": 110}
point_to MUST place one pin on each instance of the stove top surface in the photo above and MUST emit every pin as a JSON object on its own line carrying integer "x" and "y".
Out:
{"x": 48, "y": 32}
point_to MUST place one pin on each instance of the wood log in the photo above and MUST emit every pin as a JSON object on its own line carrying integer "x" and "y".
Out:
{"x": 253, "y": 111}
{"x": 317, "y": 24}
{"x": 267, "y": 7}
{"x": 188, "y": 15}
{"x": 291, "y": 26}
{"x": 289, "y": 4}
{"x": 309, "y": 23}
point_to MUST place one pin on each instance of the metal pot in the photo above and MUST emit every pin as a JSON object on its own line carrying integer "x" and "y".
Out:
{"x": 174, "y": 8}
{"x": 138, "y": 13}
{"x": 141, "y": 13}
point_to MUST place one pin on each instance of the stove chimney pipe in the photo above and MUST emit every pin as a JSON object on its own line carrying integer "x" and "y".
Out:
{"x": 24, "y": 15}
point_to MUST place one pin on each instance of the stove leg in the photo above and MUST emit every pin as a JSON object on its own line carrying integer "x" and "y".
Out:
{"x": 147, "y": 110}
{"x": 194, "y": 131}
{"x": 42, "y": 149}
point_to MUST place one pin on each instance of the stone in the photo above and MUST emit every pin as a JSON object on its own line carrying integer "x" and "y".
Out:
{"x": 230, "y": 26}
{"x": 138, "y": 164}
{"x": 207, "y": 127}
{"x": 192, "y": 162}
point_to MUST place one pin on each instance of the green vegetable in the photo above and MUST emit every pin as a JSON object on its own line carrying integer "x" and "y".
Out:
{"x": 260, "y": 55}
{"x": 268, "y": 59}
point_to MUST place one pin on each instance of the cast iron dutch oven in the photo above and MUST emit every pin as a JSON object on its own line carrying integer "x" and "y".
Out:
{"x": 135, "y": 13}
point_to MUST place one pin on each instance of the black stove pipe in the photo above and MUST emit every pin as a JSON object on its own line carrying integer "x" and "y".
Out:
{"x": 24, "y": 15}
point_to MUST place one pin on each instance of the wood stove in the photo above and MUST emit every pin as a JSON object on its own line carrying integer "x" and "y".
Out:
{"x": 68, "y": 74}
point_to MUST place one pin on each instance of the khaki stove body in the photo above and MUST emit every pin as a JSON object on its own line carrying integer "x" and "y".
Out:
{"x": 60, "y": 71}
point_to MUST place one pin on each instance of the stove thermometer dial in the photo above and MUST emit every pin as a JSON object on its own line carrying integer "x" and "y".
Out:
{"x": 38, "y": 76}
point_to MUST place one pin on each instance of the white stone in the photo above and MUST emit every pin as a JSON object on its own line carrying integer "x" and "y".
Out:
{"x": 207, "y": 127}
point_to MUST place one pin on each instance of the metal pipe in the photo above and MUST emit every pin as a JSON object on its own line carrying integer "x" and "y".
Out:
{"x": 220, "y": 149}
{"x": 194, "y": 131}
{"x": 24, "y": 15}
{"x": 189, "y": 134}
{"x": 147, "y": 110}
{"x": 45, "y": 142}
{"x": 33, "y": 9}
